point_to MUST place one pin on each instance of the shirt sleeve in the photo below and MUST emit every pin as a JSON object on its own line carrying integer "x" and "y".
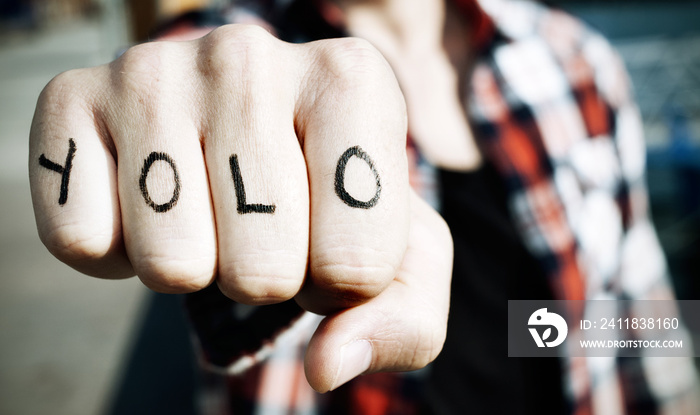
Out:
{"x": 641, "y": 269}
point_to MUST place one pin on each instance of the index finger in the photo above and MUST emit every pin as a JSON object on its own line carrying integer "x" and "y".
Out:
{"x": 352, "y": 124}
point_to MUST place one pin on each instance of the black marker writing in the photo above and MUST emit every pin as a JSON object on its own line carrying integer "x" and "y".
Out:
{"x": 340, "y": 179}
{"x": 63, "y": 170}
{"x": 243, "y": 207}
{"x": 152, "y": 158}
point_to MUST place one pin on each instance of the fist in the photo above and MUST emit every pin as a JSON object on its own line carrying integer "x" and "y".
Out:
{"x": 277, "y": 171}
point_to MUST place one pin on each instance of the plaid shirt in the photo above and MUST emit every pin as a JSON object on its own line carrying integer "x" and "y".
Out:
{"x": 550, "y": 106}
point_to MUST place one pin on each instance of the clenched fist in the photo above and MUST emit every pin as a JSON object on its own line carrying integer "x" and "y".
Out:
{"x": 277, "y": 170}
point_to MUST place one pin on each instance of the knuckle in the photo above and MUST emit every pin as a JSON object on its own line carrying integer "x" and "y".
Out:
{"x": 68, "y": 97}
{"x": 170, "y": 275}
{"x": 59, "y": 86}
{"x": 430, "y": 343}
{"x": 428, "y": 332}
{"x": 430, "y": 328}
{"x": 259, "y": 281}
{"x": 355, "y": 63}
{"x": 142, "y": 74}
{"x": 64, "y": 92}
{"x": 247, "y": 34}
{"x": 236, "y": 52}
{"x": 358, "y": 77}
{"x": 358, "y": 277}
{"x": 143, "y": 59}
{"x": 258, "y": 289}
{"x": 76, "y": 243}
{"x": 240, "y": 33}
{"x": 152, "y": 79}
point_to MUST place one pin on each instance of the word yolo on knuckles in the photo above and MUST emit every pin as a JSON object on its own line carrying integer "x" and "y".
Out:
{"x": 243, "y": 206}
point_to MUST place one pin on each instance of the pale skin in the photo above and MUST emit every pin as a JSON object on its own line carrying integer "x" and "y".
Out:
{"x": 286, "y": 114}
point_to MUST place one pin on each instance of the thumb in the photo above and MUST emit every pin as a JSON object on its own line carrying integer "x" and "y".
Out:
{"x": 404, "y": 327}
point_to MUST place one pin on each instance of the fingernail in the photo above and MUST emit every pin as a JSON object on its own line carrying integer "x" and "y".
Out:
{"x": 355, "y": 358}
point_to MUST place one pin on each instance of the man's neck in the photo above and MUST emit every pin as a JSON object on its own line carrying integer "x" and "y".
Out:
{"x": 403, "y": 28}
{"x": 427, "y": 44}
{"x": 409, "y": 30}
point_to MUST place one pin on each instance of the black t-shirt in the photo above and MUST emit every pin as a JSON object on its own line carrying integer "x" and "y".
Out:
{"x": 491, "y": 265}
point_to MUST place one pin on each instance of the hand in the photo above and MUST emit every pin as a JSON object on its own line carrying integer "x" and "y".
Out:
{"x": 241, "y": 159}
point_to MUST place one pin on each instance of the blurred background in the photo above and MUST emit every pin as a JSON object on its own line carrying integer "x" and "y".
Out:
{"x": 74, "y": 345}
